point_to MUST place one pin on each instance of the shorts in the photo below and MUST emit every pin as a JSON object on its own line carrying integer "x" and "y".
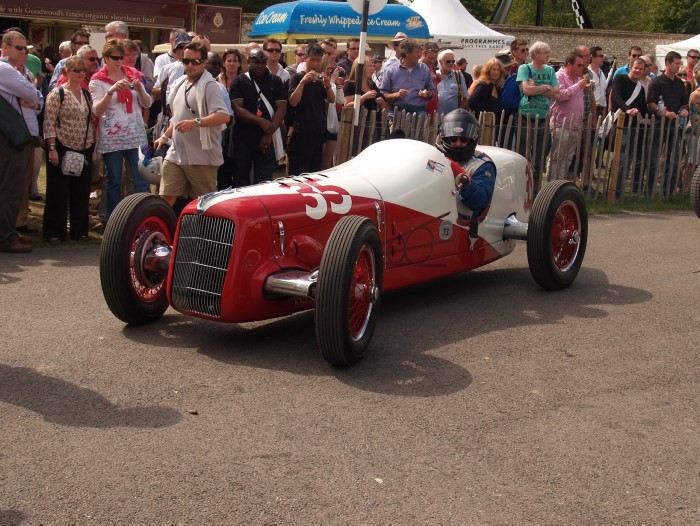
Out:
{"x": 187, "y": 181}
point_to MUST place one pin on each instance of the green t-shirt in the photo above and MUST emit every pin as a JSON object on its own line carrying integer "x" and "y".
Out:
{"x": 535, "y": 105}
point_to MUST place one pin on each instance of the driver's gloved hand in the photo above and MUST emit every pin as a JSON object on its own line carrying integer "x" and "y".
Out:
{"x": 462, "y": 180}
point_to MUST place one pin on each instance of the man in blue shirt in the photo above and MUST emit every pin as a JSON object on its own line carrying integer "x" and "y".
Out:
{"x": 408, "y": 83}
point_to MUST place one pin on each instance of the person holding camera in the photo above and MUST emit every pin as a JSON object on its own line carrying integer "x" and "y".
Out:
{"x": 118, "y": 96}
{"x": 309, "y": 92}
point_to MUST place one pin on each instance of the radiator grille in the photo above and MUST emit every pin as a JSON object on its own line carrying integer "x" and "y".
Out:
{"x": 203, "y": 253}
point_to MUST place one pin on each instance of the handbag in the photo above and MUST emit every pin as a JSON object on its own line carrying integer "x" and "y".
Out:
{"x": 332, "y": 119}
{"x": 73, "y": 162}
{"x": 13, "y": 127}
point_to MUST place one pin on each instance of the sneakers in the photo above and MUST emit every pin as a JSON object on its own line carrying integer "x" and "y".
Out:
{"x": 26, "y": 229}
{"x": 36, "y": 197}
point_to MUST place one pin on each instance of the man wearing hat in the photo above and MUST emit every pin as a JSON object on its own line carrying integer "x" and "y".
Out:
{"x": 394, "y": 50}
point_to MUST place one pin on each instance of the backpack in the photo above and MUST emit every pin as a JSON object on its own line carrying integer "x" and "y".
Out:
{"x": 509, "y": 99}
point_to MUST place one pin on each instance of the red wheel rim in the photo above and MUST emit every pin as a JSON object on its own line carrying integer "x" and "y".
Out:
{"x": 362, "y": 293}
{"x": 566, "y": 236}
{"x": 145, "y": 291}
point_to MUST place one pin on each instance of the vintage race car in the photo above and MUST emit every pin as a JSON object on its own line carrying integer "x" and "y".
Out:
{"x": 334, "y": 241}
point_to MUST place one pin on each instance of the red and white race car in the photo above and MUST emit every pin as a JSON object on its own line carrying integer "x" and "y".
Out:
{"x": 334, "y": 241}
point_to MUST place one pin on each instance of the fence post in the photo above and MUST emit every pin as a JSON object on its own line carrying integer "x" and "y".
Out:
{"x": 487, "y": 124}
{"x": 612, "y": 186}
{"x": 345, "y": 136}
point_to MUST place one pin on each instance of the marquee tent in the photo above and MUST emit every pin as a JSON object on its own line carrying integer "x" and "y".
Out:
{"x": 681, "y": 47}
{"x": 313, "y": 19}
{"x": 453, "y": 26}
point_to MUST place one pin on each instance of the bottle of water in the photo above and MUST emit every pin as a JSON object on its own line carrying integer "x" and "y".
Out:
{"x": 661, "y": 105}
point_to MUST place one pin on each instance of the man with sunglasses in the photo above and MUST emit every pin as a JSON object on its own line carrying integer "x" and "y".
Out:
{"x": 353, "y": 51}
{"x": 600, "y": 86}
{"x": 452, "y": 86}
{"x": 259, "y": 103}
{"x": 518, "y": 54}
{"x": 78, "y": 40}
{"x": 633, "y": 54}
{"x": 17, "y": 167}
{"x": 474, "y": 171}
{"x": 273, "y": 49}
{"x": 566, "y": 116}
{"x": 692, "y": 59}
{"x": 299, "y": 57}
{"x": 199, "y": 115}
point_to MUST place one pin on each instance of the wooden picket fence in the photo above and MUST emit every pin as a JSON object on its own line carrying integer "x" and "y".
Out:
{"x": 598, "y": 162}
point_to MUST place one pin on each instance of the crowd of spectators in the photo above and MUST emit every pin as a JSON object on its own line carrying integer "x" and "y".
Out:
{"x": 229, "y": 119}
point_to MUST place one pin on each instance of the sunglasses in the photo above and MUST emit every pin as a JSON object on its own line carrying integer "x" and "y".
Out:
{"x": 353, "y": 49}
{"x": 681, "y": 74}
{"x": 300, "y": 54}
{"x": 525, "y": 50}
{"x": 116, "y": 57}
{"x": 20, "y": 48}
{"x": 258, "y": 61}
{"x": 694, "y": 57}
{"x": 449, "y": 61}
{"x": 635, "y": 56}
{"x": 455, "y": 140}
{"x": 273, "y": 50}
{"x": 79, "y": 70}
{"x": 193, "y": 61}
{"x": 82, "y": 42}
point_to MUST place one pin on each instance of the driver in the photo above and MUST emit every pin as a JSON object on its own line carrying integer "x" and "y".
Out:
{"x": 474, "y": 172}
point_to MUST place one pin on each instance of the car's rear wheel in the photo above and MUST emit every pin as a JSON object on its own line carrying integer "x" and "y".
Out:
{"x": 695, "y": 191}
{"x": 135, "y": 293}
{"x": 557, "y": 235}
{"x": 348, "y": 290}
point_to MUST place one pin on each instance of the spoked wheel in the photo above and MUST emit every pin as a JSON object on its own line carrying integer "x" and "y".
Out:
{"x": 348, "y": 290}
{"x": 557, "y": 235}
{"x": 695, "y": 191}
{"x": 133, "y": 286}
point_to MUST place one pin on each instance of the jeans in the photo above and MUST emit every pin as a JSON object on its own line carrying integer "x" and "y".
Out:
{"x": 113, "y": 166}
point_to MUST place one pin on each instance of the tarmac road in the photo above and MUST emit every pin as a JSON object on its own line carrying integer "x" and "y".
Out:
{"x": 484, "y": 399}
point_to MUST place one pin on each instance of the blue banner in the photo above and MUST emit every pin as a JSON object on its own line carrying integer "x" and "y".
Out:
{"x": 318, "y": 18}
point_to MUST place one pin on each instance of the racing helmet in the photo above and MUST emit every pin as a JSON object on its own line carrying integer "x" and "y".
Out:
{"x": 149, "y": 165}
{"x": 459, "y": 123}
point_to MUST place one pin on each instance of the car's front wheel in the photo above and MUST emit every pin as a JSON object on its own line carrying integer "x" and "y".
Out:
{"x": 695, "y": 192}
{"x": 557, "y": 234}
{"x": 135, "y": 292}
{"x": 348, "y": 290}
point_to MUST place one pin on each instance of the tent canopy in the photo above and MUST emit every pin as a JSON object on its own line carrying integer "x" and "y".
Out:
{"x": 681, "y": 47}
{"x": 455, "y": 27}
{"x": 306, "y": 19}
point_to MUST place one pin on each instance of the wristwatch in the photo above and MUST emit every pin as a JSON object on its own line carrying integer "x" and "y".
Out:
{"x": 198, "y": 122}
{"x": 52, "y": 147}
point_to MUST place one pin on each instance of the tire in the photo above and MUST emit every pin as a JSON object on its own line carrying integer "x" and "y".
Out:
{"x": 134, "y": 294}
{"x": 556, "y": 235}
{"x": 695, "y": 192}
{"x": 348, "y": 291}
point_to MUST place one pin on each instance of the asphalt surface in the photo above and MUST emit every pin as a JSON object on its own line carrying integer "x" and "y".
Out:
{"x": 484, "y": 399}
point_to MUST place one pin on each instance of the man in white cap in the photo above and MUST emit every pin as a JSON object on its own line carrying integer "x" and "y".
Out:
{"x": 393, "y": 54}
